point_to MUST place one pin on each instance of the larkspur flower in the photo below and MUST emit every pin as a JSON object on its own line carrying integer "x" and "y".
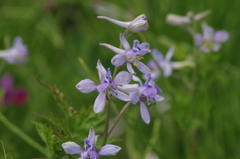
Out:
{"x": 139, "y": 24}
{"x": 178, "y": 20}
{"x": 89, "y": 150}
{"x": 146, "y": 92}
{"x": 11, "y": 95}
{"x": 106, "y": 87}
{"x": 130, "y": 55}
{"x": 210, "y": 40}
{"x": 165, "y": 63}
{"x": 17, "y": 54}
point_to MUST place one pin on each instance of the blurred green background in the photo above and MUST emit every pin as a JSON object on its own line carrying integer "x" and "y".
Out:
{"x": 203, "y": 122}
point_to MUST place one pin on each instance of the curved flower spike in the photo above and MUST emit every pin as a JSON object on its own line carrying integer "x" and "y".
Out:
{"x": 90, "y": 148}
{"x": 139, "y": 24}
{"x": 178, "y": 20}
{"x": 130, "y": 55}
{"x": 210, "y": 40}
{"x": 106, "y": 87}
{"x": 17, "y": 54}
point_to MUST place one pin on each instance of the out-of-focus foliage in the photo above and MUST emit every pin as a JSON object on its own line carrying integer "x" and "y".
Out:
{"x": 203, "y": 121}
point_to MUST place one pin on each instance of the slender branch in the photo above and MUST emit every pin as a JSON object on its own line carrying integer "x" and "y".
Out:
{"x": 119, "y": 117}
{"x": 4, "y": 152}
{"x": 106, "y": 122}
{"x": 20, "y": 133}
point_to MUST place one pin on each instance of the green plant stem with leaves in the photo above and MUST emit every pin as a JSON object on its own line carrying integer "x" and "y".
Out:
{"x": 21, "y": 134}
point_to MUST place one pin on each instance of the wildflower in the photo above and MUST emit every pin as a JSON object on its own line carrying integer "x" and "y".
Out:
{"x": 210, "y": 40}
{"x": 148, "y": 92}
{"x": 178, "y": 20}
{"x": 17, "y": 54}
{"x": 130, "y": 55}
{"x": 107, "y": 87}
{"x": 12, "y": 96}
{"x": 165, "y": 63}
{"x": 89, "y": 150}
{"x": 139, "y": 24}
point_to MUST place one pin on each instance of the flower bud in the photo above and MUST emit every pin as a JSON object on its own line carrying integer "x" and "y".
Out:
{"x": 139, "y": 24}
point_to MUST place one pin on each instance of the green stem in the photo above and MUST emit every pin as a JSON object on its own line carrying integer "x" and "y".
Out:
{"x": 119, "y": 117}
{"x": 115, "y": 71}
{"x": 106, "y": 122}
{"x": 20, "y": 133}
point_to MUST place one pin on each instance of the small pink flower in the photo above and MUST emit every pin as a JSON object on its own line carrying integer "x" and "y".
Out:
{"x": 12, "y": 96}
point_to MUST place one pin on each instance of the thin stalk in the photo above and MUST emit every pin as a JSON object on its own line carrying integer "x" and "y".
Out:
{"x": 21, "y": 134}
{"x": 119, "y": 117}
{"x": 4, "y": 152}
{"x": 106, "y": 122}
{"x": 115, "y": 71}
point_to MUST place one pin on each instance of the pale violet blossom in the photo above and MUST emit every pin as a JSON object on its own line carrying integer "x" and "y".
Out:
{"x": 108, "y": 86}
{"x": 89, "y": 150}
{"x": 165, "y": 63}
{"x": 146, "y": 92}
{"x": 178, "y": 20}
{"x": 130, "y": 55}
{"x": 17, "y": 54}
{"x": 139, "y": 24}
{"x": 210, "y": 41}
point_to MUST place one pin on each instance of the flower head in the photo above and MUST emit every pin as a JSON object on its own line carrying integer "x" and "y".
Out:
{"x": 17, "y": 54}
{"x": 130, "y": 55}
{"x": 12, "y": 96}
{"x": 146, "y": 92}
{"x": 89, "y": 150}
{"x": 108, "y": 86}
{"x": 210, "y": 40}
{"x": 178, "y": 20}
{"x": 139, "y": 24}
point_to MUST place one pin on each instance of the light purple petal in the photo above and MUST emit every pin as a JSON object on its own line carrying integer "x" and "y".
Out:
{"x": 113, "y": 48}
{"x": 221, "y": 36}
{"x": 141, "y": 90}
{"x": 130, "y": 69}
{"x": 102, "y": 87}
{"x": 157, "y": 55}
{"x": 118, "y": 60}
{"x": 101, "y": 71}
{"x": 109, "y": 150}
{"x": 167, "y": 69}
{"x": 120, "y": 95}
{"x": 123, "y": 77}
{"x": 204, "y": 49}
{"x": 117, "y": 22}
{"x": 86, "y": 86}
{"x": 124, "y": 43}
{"x": 158, "y": 98}
{"x": 216, "y": 47}
{"x": 17, "y": 41}
{"x": 72, "y": 148}
{"x": 143, "y": 68}
{"x": 91, "y": 137}
{"x": 137, "y": 79}
{"x": 134, "y": 97}
{"x": 198, "y": 39}
{"x": 157, "y": 88}
{"x": 128, "y": 88}
{"x": 150, "y": 92}
{"x": 144, "y": 113}
{"x": 169, "y": 53}
{"x": 99, "y": 103}
{"x": 207, "y": 32}
{"x": 152, "y": 64}
{"x": 144, "y": 46}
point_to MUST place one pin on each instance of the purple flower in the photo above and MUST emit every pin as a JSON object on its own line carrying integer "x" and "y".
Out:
{"x": 130, "y": 55}
{"x": 89, "y": 150}
{"x": 178, "y": 20}
{"x": 139, "y": 24}
{"x": 17, "y": 54}
{"x": 210, "y": 40}
{"x": 163, "y": 63}
{"x": 148, "y": 92}
{"x": 12, "y": 96}
{"x": 108, "y": 86}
